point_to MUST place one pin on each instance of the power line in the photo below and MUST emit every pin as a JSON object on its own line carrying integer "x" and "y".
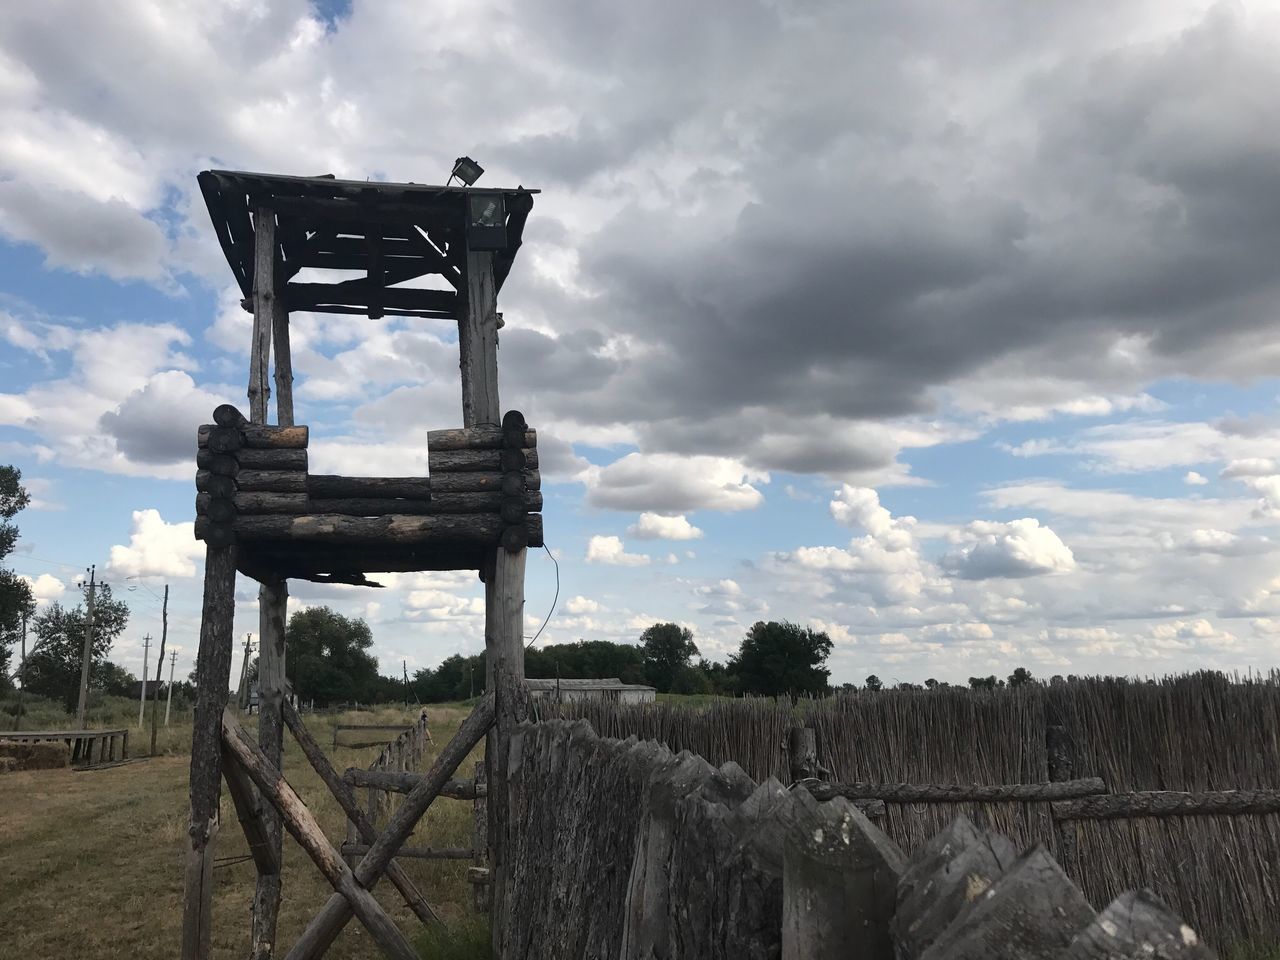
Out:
{"x": 553, "y": 599}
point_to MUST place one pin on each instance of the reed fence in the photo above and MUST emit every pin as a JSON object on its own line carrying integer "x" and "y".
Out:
{"x": 1197, "y": 732}
{"x": 622, "y": 849}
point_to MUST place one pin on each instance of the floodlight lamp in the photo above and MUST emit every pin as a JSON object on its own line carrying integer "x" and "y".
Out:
{"x": 466, "y": 170}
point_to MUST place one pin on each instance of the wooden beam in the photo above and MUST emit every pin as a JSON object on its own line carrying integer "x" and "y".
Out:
{"x": 324, "y": 486}
{"x": 1169, "y": 803}
{"x": 411, "y": 853}
{"x": 301, "y": 823}
{"x": 358, "y": 293}
{"x": 213, "y": 673}
{"x": 250, "y": 813}
{"x": 273, "y": 481}
{"x": 482, "y": 437}
{"x": 479, "y": 528}
{"x": 355, "y": 815}
{"x": 478, "y": 343}
{"x": 468, "y": 461}
{"x": 326, "y": 926}
{"x": 273, "y": 599}
{"x": 959, "y": 792}
{"x": 264, "y": 294}
{"x": 254, "y": 436}
{"x": 395, "y": 781}
{"x": 284, "y": 362}
{"x": 360, "y": 212}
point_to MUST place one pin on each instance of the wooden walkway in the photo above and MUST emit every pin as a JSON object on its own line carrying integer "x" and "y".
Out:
{"x": 88, "y": 747}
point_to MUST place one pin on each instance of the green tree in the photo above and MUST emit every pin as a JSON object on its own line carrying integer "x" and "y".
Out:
{"x": 667, "y": 649}
{"x": 587, "y": 660}
{"x": 15, "y": 593}
{"x": 54, "y": 661}
{"x": 329, "y": 659}
{"x": 455, "y": 678}
{"x": 873, "y": 683}
{"x": 985, "y": 683}
{"x": 777, "y": 658}
{"x": 1020, "y": 677}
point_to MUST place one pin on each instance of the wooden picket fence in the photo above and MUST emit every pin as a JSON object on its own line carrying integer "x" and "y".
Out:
{"x": 620, "y": 848}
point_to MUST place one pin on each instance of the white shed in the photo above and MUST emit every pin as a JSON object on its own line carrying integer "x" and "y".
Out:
{"x": 610, "y": 688}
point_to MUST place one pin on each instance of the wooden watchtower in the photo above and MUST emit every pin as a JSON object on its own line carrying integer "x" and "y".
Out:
{"x": 262, "y": 513}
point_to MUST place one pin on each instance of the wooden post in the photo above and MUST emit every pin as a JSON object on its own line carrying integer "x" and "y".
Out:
{"x": 213, "y": 671}
{"x": 273, "y": 599}
{"x": 480, "y": 838}
{"x": 155, "y": 701}
{"x": 478, "y": 343}
{"x": 504, "y": 647}
{"x": 284, "y": 362}
{"x": 264, "y": 273}
{"x": 1062, "y": 765}
{"x": 83, "y": 704}
{"x": 802, "y": 744}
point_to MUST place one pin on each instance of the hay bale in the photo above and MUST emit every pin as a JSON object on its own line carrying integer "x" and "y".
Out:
{"x": 45, "y": 755}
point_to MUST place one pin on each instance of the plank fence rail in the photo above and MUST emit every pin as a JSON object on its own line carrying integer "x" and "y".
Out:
{"x": 89, "y": 748}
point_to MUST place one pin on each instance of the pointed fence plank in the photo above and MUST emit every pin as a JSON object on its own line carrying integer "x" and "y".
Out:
{"x": 1138, "y": 926}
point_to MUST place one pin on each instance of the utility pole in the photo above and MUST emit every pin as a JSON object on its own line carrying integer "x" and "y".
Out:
{"x": 168, "y": 704}
{"x": 142, "y": 701}
{"x": 405, "y": 666}
{"x": 88, "y": 652}
{"x": 471, "y": 677}
{"x": 22, "y": 673}
{"x": 155, "y": 703}
{"x": 242, "y": 692}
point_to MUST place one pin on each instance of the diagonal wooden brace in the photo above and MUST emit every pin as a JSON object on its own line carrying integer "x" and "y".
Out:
{"x": 328, "y": 923}
{"x": 249, "y": 813}
{"x": 300, "y": 822}
{"x": 346, "y": 799}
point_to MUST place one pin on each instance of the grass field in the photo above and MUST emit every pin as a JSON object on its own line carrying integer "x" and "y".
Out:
{"x": 91, "y": 861}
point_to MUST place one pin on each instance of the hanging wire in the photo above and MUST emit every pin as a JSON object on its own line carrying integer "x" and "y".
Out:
{"x": 553, "y": 599}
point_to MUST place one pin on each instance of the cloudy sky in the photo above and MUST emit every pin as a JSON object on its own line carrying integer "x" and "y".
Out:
{"x": 948, "y": 328}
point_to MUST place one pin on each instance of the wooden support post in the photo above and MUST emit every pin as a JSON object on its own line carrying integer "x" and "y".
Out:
{"x": 301, "y": 823}
{"x": 327, "y": 924}
{"x": 284, "y": 362}
{"x": 504, "y": 649}
{"x": 802, "y": 744}
{"x": 480, "y": 839}
{"x": 250, "y": 813}
{"x": 1061, "y": 756}
{"x": 273, "y": 598}
{"x": 213, "y": 672}
{"x": 264, "y": 295}
{"x": 358, "y": 826}
{"x": 478, "y": 343}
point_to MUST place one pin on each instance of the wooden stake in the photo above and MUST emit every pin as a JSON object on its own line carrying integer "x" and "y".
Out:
{"x": 155, "y": 702}
{"x": 273, "y": 599}
{"x": 264, "y": 277}
{"x": 478, "y": 343}
{"x": 213, "y": 671}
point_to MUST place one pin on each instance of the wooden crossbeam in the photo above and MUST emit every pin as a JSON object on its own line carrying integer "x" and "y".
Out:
{"x": 358, "y": 293}
{"x": 328, "y": 923}
{"x": 351, "y": 807}
{"x": 301, "y": 823}
{"x": 249, "y": 813}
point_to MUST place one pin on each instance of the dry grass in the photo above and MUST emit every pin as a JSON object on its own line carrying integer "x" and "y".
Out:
{"x": 91, "y": 862}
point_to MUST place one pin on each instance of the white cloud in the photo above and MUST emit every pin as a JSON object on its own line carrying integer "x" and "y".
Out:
{"x": 1193, "y": 479}
{"x": 655, "y": 526}
{"x": 611, "y": 551}
{"x": 1019, "y": 548}
{"x": 580, "y": 604}
{"x": 668, "y": 483}
{"x": 157, "y": 548}
{"x": 45, "y": 588}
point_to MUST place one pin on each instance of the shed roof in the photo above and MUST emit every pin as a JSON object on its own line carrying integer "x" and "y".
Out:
{"x": 400, "y": 230}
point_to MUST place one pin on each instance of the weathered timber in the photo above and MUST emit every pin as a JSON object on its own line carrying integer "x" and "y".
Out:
{"x": 264, "y": 295}
{"x": 516, "y": 432}
{"x": 255, "y": 436}
{"x": 959, "y": 792}
{"x": 444, "y": 503}
{"x": 412, "y": 853}
{"x": 953, "y": 868}
{"x": 470, "y": 461}
{"x": 284, "y": 362}
{"x": 1060, "y": 751}
{"x": 480, "y": 837}
{"x": 478, "y": 342}
{"x": 255, "y": 503}
{"x": 403, "y": 782}
{"x": 517, "y": 537}
{"x": 480, "y": 437}
{"x": 1137, "y": 926}
{"x": 228, "y": 415}
{"x": 1169, "y": 803}
{"x": 272, "y": 481}
{"x": 1033, "y": 911}
{"x": 275, "y": 459}
{"x": 217, "y": 509}
{"x": 840, "y": 880}
{"x": 479, "y": 528}
{"x": 222, "y": 464}
{"x": 331, "y": 488}
{"x": 214, "y": 484}
{"x": 214, "y": 534}
{"x": 326, "y": 926}
{"x": 504, "y": 650}
{"x": 250, "y": 814}
{"x": 513, "y": 509}
{"x": 357, "y": 821}
{"x": 273, "y": 601}
{"x": 802, "y": 748}
{"x": 213, "y": 671}
{"x": 302, "y": 825}
{"x": 320, "y": 296}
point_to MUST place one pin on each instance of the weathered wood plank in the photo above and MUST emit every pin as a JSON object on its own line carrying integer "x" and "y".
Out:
{"x": 323, "y": 487}
{"x": 1137, "y": 926}
{"x": 254, "y": 436}
{"x": 483, "y": 436}
{"x": 474, "y": 461}
{"x": 478, "y": 343}
{"x": 273, "y": 600}
{"x": 264, "y": 295}
{"x": 272, "y": 481}
{"x": 959, "y": 792}
{"x": 480, "y": 528}
{"x": 1169, "y": 803}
